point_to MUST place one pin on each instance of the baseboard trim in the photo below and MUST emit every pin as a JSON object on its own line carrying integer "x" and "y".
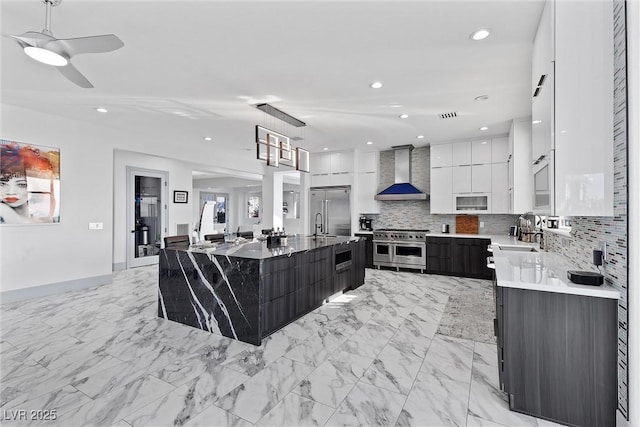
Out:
{"x": 17, "y": 295}
{"x": 119, "y": 266}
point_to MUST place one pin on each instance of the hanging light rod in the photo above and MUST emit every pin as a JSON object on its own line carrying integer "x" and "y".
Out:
{"x": 279, "y": 114}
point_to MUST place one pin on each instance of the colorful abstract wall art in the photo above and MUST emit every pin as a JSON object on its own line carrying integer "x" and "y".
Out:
{"x": 29, "y": 183}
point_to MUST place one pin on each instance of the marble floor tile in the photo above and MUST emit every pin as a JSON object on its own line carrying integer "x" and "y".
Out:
{"x": 295, "y": 411}
{"x": 369, "y": 340}
{"x": 115, "y": 405}
{"x": 187, "y": 401}
{"x": 393, "y": 370}
{"x": 120, "y": 374}
{"x": 479, "y": 422}
{"x": 333, "y": 380}
{"x": 368, "y": 405}
{"x": 408, "y": 339}
{"x": 214, "y": 417}
{"x": 256, "y": 396}
{"x": 436, "y": 399}
{"x": 143, "y": 370}
{"x": 253, "y": 360}
{"x": 486, "y": 354}
{"x": 451, "y": 355}
{"x": 488, "y": 402}
{"x": 61, "y": 400}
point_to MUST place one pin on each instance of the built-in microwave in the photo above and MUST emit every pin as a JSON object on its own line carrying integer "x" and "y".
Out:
{"x": 544, "y": 184}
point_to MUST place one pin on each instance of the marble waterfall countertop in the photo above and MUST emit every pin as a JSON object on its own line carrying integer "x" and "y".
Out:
{"x": 542, "y": 271}
{"x": 255, "y": 249}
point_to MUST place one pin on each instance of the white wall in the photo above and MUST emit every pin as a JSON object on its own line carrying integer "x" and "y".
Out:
{"x": 34, "y": 255}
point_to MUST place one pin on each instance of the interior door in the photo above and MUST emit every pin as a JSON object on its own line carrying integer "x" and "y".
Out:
{"x": 146, "y": 215}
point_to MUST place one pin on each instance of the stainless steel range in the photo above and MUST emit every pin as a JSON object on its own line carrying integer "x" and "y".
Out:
{"x": 400, "y": 248}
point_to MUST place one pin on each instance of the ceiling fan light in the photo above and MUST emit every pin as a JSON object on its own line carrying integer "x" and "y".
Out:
{"x": 46, "y": 56}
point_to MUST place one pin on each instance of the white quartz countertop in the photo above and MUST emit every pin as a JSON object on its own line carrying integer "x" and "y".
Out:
{"x": 496, "y": 239}
{"x": 543, "y": 271}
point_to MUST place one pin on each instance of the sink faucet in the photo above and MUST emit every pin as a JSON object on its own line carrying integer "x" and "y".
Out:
{"x": 315, "y": 232}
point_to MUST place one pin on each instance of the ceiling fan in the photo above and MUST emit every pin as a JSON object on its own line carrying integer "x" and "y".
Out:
{"x": 44, "y": 47}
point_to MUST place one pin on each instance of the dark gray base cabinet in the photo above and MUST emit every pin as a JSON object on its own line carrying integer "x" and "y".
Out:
{"x": 368, "y": 248}
{"x": 458, "y": 256}
{"x": 557, "y": 354}
{"x": 295, "y": 285}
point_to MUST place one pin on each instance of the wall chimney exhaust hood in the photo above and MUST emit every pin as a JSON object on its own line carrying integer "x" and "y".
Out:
{"x": 402, "y": 189}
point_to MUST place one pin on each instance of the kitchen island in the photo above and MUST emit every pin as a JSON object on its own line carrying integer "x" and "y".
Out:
{"x": 247, "y": 291}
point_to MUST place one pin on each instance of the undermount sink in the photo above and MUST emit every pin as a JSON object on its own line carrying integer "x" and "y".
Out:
{"x": 517, "y": 248}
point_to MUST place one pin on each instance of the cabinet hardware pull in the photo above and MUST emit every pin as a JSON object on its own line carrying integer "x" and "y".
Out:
{"x": 539, "y": 159}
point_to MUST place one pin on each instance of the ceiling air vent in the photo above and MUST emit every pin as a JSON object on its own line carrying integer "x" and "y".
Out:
{"x": 448, "y": 115}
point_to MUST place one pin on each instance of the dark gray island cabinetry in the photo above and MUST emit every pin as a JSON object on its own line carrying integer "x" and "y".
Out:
{"x": 249, "y": 291}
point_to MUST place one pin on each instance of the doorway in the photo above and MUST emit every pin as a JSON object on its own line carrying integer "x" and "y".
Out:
{"x": 146, "y": 215}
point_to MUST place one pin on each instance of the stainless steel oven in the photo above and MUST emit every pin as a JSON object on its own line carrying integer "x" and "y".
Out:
{"x": 400, "y": 249}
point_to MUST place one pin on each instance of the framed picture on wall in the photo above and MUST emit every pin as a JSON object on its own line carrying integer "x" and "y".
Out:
{"x": 29, "y": 183}
{"x": 180, "y": 196}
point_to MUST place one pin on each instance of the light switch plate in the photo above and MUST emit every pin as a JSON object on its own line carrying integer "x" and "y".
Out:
{"x": 96, "y": 226}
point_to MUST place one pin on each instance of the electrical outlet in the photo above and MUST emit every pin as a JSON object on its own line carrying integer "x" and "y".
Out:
{"x": 603, "y": 248}
{"x": 96, "y": 226}
{"x": 481, "y": 224}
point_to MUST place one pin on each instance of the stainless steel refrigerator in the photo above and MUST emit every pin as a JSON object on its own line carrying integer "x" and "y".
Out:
{"x": 330, "y": 209}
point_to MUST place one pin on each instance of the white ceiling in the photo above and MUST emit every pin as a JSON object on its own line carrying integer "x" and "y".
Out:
{"x": 312, "y": 59}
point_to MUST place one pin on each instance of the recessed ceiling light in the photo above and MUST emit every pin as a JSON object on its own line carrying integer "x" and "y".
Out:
{"x": 101, "y": 110}
{"x": 480, "y": 34}
{"x": 481, "y": 98}
{"x": 420, "y": 136}
{"x": 207, "y": 138}
{"x": 484, "y": 143}
{"x": 403, "y": 116}
{"x": 375, "y": 85}
{"x": 369, "y": 142}
{"x": 484, "y": 128}
{"x": 535, "y": 122}
{"x": 325, "y": 148}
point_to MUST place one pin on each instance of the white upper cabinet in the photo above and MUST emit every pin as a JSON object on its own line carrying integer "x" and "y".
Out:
{"x": 499, "y": 150}
{"x": 500, "y": 188}
{"x": 481, "y": 151}
{"x": 366, "y": 183}
{"x": 572, "y": 106}
{"x": 341, "y": 162}
{"x": 320, "y": 163}
{"x": 331, "y": 168}
{"x": 461, "y": 179}
{"x": 520, "y": 166}
{"x": 368, "y": 161}
{"x": 441, "y": 200}
{"x": 441, "y": 155}
{"x": 542, "y": 84}
{"x": 481, "y": 178}
{"x": 461, "y": 153}
{"x": 584, "y": 108}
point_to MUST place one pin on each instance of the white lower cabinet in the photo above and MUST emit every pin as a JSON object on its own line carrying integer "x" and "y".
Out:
{"x": 441, "y": 190}
{"x": 500, "y": 188}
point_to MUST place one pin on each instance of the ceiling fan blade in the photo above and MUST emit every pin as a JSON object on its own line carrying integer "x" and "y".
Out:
{"x": 72, "y": 73}
{"x": 32, "y": 38}
{"x": 91, "y": 44}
